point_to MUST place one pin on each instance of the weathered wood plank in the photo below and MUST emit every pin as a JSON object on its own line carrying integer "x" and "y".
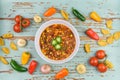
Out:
{"x": 107, "y": 9}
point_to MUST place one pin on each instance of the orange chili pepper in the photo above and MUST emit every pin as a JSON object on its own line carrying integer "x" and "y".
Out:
{"x": 50, "y": 12}
{"x": 62, "y": 73}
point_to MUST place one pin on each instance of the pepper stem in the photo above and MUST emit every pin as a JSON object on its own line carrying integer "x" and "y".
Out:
{"x": 72, "y": 8}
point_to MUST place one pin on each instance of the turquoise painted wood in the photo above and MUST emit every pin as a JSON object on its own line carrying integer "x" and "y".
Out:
{"x": 107, "y": 9}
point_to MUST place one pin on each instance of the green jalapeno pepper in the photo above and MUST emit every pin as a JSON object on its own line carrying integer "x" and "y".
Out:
{"x": 17, "y": 67}
{"x": 78, "y": 14}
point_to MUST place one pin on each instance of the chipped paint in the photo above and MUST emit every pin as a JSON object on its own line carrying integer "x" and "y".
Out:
{"x": 33, "y": 7}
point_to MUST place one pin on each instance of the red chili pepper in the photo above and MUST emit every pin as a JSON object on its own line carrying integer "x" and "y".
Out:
{"x": 32, "y": 66}
{"x": 92, "y": 34}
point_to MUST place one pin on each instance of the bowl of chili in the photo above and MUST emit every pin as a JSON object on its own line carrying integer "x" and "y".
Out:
{"x": 57, "y": 41}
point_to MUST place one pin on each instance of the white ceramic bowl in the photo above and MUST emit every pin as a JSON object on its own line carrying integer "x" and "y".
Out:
{"x": 43, "y": 27}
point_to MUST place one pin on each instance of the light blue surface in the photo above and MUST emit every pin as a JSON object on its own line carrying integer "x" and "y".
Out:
{"x": 107, "y": 9}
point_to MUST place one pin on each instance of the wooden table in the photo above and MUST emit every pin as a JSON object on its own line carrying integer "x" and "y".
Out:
{"x": 107, "y": 9}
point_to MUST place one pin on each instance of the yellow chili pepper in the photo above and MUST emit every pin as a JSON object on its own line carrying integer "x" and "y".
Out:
{"x": 3, "y": 60}
{"x": 116, "y": 35}
{"x": 13, "y": 46}
{"x": 110, "y": 39}
{"x": 2, "y": 42}
{"x": 105, "y": 31}
{"x": 95, "y": 16}
{"x": 87, "y": 48}
{"x": 7, "y": 35}
{"x": 109, "y": 64}
{"x": 25, "y": 57}
{"x": 65, "y": 14}
{"x": 102, "y": 42}
{"x": 5, "y": 50}
{"x": 109, "y": 24}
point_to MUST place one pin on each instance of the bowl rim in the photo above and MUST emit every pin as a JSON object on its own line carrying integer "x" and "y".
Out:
{"x": 43, "y": 27}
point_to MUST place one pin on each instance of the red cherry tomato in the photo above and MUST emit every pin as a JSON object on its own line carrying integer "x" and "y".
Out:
{"x": 17, "y": 28}
{"x": 32, "y": 66}
{"x": 102, "y": 68}
{"x": 92, "y": 34}
{"x": 100, "y": 54}
{"x": 18, "y": 18}
{"x": 93, "y": 61}
{"x": 25, "y": 22}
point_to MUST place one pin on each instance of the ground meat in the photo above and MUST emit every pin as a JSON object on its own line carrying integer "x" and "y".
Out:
{"x": 68, "y": 42}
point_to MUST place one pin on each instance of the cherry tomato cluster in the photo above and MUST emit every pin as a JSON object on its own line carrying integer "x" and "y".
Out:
{"x": 94, "y": 61}
{"x": 20, "y": 23}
